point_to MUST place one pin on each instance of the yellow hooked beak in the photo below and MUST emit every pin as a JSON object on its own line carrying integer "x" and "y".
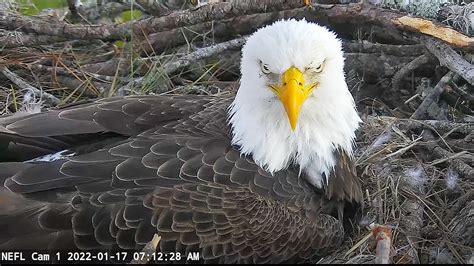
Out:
{"x": 293, "y": 93}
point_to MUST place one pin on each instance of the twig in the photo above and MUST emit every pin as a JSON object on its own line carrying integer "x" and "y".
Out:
{"x": 450, "y": 59}
{"x": 68, "y": 72}
{"x": 49, "y": 99}
{"x": 460, "y": 203}
{"x": 184, "y": 61}
{"x": 438, "y": 125}
{"x": 464, "y": 95}
{"x": 412, "y": 98}
{"x": 115, "y": 66}
{"x": 442, "y": 160}
{"x": 460, "y": 166}
{"x": 404, "y": 149}
{"x": 408, "y": 68}
{"x": 457, "y": 101}
{"x": 358, "y": 244}
{"x": 432, "y": 97}
{"x": 203, "y": 53}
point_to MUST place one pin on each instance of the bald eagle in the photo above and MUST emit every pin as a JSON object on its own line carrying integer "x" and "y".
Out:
{"x": 261, "y": 176}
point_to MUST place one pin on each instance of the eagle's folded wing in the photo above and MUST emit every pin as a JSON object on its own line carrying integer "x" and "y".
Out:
{"x": 181, "y": 179}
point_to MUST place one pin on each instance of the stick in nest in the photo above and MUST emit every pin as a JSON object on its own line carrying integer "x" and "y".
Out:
{"x": 49, "y": 99}
{"x": 450, "y": 59}
{"x": 458, "y": 165}
{"x": 184, "y": 61}
{"x": 432, "y": 97}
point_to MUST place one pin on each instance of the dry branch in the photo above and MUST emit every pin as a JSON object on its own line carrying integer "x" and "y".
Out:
{"x": 408, "y": 68}
{"x": 450, "y": 59}
{"x": 12, "y": 21}
{"x": 366, "y": 47}
{"x": 355, "y": 14}
{"x": 359, "y": 13}
{"x": 185, "y": 61}
{"x": 433, "y": 97}
{"x": 457, "y": 101}
{"x": 156, "y": 8}
{"x": 70, "y": 84}
{"x": 222, "y": 29}
{"x": 462, "y": 225}
{"x": 461, "y": 92}
{"x": 461, "y": 201}
{"x": 114, "y": 66}
{"x": 48, "y": 98}
{"x": 436, "y": 30}
{"x": 458, "y": 165}
{"x": 203, "y": 53}
{"x": 11, "y": 39}
{"x": 438, "y": 125}
{"x": 375, "y": 67}
{"x": 362, "y": 13}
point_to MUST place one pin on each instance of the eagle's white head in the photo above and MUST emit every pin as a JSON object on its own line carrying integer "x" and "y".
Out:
{"x": 293, "y": 104}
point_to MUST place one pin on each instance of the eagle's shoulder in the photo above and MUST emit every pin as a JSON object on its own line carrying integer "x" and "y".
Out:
{"x": 343, "y": 182}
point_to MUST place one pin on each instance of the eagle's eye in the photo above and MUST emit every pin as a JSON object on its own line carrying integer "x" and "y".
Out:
{"x": 314, "y": 69}
{"x": 265, "y": 68}
{"x": 319, "y": 68}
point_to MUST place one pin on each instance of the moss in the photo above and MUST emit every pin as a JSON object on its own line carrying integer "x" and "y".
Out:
{"x": 424, "y": 8}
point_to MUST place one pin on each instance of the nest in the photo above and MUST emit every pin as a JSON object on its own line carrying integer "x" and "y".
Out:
{"x": 412, "y": 87}
{"x": 424, "y": 201}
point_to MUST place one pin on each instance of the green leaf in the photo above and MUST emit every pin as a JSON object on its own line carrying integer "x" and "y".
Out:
{"x": 33, "y": 7}
{"x": 120, "y": 44}
{"x": 129, "y": 15}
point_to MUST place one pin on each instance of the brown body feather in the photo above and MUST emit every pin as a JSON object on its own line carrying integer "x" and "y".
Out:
{"x": 150, "y": 164}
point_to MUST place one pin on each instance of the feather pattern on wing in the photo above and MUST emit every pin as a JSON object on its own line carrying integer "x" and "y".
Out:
{"x": 149, "y": 164}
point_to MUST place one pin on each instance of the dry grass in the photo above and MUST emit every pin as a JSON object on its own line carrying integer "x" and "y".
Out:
{"x": 421, "y": 202}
